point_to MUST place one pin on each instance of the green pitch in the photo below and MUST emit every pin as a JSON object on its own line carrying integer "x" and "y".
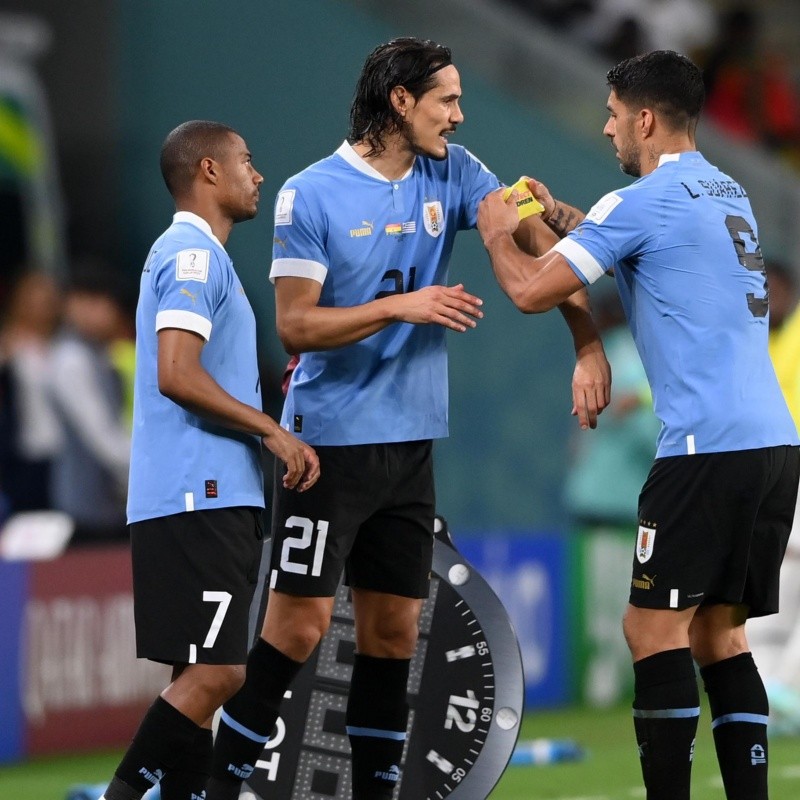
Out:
{"x": 610, "y": 772}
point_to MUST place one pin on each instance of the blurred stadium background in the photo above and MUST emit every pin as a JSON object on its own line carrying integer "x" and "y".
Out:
{"x": 88, "y": 91}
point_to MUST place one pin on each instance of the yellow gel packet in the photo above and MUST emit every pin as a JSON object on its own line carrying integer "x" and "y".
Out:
{"x": 527, "y": 204}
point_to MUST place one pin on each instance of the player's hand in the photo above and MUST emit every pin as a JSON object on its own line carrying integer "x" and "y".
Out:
{"x": 301, "y": 460}
{"x": 450, "y": 306}
{"x": 542, "y": 194}
{"x": 591, "y": 385}
{"x": 497, "y": 216}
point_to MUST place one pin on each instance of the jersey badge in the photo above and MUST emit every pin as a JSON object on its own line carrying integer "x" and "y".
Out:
{"x": 433, "y": 218}
{"x": 283, "y": 207}
{"x": 394, "y": 229}
{"x": 192, "y": 265}
{"x": 364, "y": 230}
{"x": 603, "y": 207}
{"x": 645, "y": 541}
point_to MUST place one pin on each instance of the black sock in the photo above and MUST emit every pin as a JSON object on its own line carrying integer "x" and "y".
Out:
{"x": 248, "y": 719}
{"x": 163, "y": 737}
{"x": 187, "y": 780}
{"x": 739, "y": 711}
{"x": 377, "y": 716}
{"x": 666, "y": 707}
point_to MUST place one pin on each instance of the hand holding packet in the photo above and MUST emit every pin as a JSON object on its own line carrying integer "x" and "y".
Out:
{"x": 527, "y": 204}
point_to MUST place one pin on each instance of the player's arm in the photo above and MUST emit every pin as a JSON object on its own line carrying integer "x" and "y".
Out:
{"x": 559, "y": 217}
{"x": 533, "y": 283}
{"x": 533, "y": 236}
{"x": 539, "y": 283}
{"x": 591, "y": 379}
{"x": 183, "y": 379}
{"x": 304, "y": 325}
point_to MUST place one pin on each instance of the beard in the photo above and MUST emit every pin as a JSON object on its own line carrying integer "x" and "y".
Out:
{"x": 243, "y": 213}
{"x": 629, "y": 163}
{"x": 417, "y": 149}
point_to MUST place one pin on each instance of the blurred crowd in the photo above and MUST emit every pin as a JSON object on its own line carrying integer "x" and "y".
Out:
{"x": 66, "y": 372}
{"x": 753, "y": 91}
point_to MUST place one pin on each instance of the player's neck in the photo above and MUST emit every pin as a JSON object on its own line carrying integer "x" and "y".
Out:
{"x": 393, "y": 163}
{"x": 219, "y": 223}
{"x": 653, "y": 151}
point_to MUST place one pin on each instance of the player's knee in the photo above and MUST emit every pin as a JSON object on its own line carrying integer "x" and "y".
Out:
{"x": 220, "y": 683}
{"x": 629, "y": 630}
{"x": 392, "y": 637}
{"x": 710, "y": 650}
{"x": 299, "y": 639}
{"x": 641, "y": 640}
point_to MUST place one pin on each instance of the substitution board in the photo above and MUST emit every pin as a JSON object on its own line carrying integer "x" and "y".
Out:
{"x": 465, "y": 691}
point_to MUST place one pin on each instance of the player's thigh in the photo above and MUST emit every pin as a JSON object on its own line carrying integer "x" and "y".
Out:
{"x": 393, "y": 552}
{"x": 313, "y": 531}
{"x": 194, "y": 578}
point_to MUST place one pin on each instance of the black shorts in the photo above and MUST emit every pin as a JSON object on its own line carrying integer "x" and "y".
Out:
{"x": 194, "y": 576}
{"x": 371, "y": 513}
{"x": 713, "y": 528}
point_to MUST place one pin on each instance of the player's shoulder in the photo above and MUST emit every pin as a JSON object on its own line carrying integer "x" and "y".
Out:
{"x": 188, "y": 250}
{"x": 313, "y": 188}
{"x": 330, "y": 169}
{"x": 460, "y": 157}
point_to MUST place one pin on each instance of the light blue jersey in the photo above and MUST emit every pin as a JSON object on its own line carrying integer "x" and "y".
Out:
{"x": 684, "y": 247}
{"x": 180, "y": 462}
{"x": 341, "y": 223}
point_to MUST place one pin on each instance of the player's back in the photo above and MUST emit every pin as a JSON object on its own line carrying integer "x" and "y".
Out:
{"x": 695, "y": 290}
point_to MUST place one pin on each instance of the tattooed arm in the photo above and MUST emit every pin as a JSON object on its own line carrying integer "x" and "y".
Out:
{"x": 558, "y": 216}
{"x": 563, "y": 218}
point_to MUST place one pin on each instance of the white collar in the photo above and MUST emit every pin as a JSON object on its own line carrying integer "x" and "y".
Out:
{"x": 193, "y": 219}
{"x": 665, "y": 157}
{"x": 347, "y": 152}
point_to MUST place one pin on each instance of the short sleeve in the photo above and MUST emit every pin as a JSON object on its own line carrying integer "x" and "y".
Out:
{"x": 188, "y": 288}
{"x": 476, "y": 182}
{"x": 298, "y": 248}
{"x": 614, "y": 230}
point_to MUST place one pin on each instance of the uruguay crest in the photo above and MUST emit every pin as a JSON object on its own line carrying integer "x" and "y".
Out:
{"x": 644, "y": 543}
{"x": 433, "y": 217}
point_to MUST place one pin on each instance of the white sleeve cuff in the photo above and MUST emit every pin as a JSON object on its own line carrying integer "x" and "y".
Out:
{"x": 581, "y": 258}
{"x": 298, "y": 268}
{"x": 185, "y": 321}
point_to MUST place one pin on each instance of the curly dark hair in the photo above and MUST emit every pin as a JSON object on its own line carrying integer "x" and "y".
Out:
{"x": 408, "y": 62}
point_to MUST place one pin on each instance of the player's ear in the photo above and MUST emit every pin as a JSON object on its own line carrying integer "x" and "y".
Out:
{"x": 209, "y": 169}
{"x": 400, "y": 99}
{"x": 646, "y": 122}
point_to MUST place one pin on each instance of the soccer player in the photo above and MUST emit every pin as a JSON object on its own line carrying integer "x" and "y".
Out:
{"x": 716, "y": 509}
{"x": 362, "y": 244}
{"x": 195, "y": 502}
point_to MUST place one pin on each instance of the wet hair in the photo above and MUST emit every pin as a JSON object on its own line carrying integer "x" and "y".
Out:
{"x": 665, "y": 81}
{"x": 185, "y": 147}
{"x": 408, "y": 62}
